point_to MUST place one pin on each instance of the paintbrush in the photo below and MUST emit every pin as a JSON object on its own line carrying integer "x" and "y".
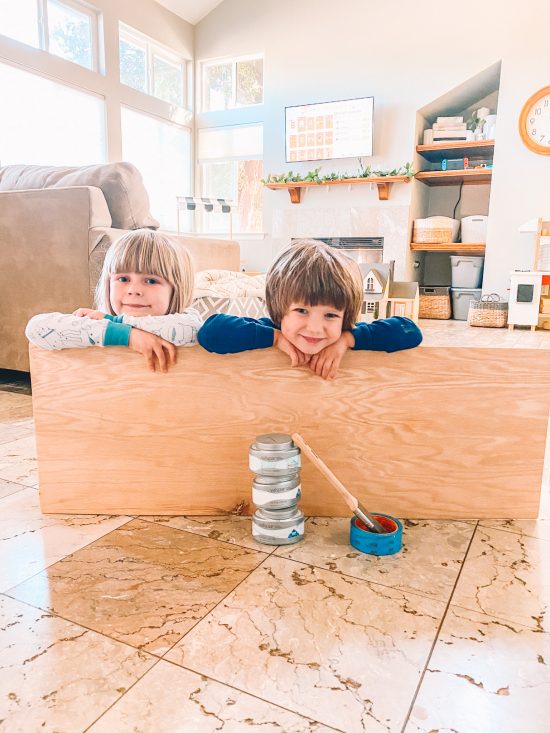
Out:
{"x": 358, "y": 509}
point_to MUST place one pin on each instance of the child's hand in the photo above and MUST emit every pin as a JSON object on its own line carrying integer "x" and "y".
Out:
{"x": 327, "y": 361}
{"x": 157, "y": 351}
{"x": 89, "y": 313}
{"x": 297, "y": 358}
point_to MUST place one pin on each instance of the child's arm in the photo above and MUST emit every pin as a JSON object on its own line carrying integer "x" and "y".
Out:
{"x": 387, "y": 334}
{"x": 179, "y": 328}
{"x": 225, "y": 334}
{"x": 55, "y": 331}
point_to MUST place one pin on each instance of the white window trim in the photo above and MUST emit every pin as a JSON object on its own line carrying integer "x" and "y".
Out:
{"x": 233, "y": 60}
{"x": 154, "y": 48}
{"x": 85, "y": 9}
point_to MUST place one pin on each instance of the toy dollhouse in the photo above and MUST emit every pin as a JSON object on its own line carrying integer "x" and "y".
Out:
{"x": 385, "y": 297}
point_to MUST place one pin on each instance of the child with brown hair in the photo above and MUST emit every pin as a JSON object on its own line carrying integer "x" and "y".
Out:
{"x": 313, "y": 295}
{"x": 142, "y": 300}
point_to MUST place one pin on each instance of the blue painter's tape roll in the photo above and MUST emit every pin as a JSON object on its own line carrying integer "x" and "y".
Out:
{"x": 377, "y": 544}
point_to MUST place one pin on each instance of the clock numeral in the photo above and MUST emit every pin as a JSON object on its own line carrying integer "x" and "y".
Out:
{"x": 542, "y": 138}
{"x": 532, "y": 121}
{"x": 538, "y": 111}
{"x": 546, "y": 102}
{"x": 534, "y": 132}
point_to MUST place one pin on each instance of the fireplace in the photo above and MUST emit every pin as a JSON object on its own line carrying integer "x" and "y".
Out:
{"x": 361, "y": 249}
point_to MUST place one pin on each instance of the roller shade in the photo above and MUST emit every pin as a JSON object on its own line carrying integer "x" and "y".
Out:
{"x": 230, "y": 143}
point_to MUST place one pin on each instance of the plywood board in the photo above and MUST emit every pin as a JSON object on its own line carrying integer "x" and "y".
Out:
{"x": 430, "y": 432}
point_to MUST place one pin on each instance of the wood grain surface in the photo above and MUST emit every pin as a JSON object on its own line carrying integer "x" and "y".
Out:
{"x": 430, "y": 432}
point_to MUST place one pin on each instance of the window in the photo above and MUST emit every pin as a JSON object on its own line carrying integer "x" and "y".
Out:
{"x": 162, "y": 153}
{"x": 233, "y": 83}
{"x": 230, "y": 160}
{"x": 151, "y": 69}
{"x": 370, "y": 284}
{"x": 65, "y": 28}
{"x": 68, "y": 130}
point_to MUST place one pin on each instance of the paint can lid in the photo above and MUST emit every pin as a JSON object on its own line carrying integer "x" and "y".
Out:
{"x": 273, "y": 442}
{"x": 291, "y": 512}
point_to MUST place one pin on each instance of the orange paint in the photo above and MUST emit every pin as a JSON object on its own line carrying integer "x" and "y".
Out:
{"x": 386, "y": 522}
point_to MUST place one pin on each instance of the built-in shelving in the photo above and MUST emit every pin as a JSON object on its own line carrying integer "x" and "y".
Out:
{"x": 383, "y": 183}
{"x": 436, "y": 153}
{"x": 449, "y": 247}
{"x": 470, "y": 176}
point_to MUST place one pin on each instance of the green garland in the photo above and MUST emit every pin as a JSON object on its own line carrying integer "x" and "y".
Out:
{"x": 314, "y": 177}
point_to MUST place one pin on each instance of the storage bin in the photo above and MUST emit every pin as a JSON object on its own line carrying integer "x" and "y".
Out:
{"x": 434, "y": 303}
{"x": 489, "y": 312}
{"x": 435, "y": 230}
{"x": 466, "y": 272}
{"x": 461, "y": 298}
{"x": 473, "y": 229}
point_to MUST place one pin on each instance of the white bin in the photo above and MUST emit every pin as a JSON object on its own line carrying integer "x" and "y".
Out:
{"x": 473, "y": 229}
{"x": 466, "y": 272}
{"x": 461, "y": 298}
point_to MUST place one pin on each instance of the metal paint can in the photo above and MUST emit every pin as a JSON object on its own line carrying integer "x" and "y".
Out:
{"x": 278, "y": 526}
{"x": 274, "y": 454}
{"x": 272, "y": 492}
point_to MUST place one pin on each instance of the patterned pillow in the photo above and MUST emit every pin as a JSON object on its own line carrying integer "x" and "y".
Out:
{"x": 253, "y": 307}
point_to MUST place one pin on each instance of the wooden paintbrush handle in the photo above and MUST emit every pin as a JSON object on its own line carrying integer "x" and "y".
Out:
{"x": 350, "y": 500}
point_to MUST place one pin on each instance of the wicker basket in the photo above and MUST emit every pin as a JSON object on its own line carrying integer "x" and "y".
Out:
{"x": 432, "y": 236}
{"x": 489, "y": 312}
{"x": 435, "y": 303}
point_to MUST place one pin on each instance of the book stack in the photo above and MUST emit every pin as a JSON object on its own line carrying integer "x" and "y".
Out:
{"x": 447, "y": 130}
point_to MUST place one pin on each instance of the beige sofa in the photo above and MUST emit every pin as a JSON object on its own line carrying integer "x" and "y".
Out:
{"x": 56, "y": 225}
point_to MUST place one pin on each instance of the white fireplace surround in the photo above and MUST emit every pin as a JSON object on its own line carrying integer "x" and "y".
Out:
{"x": 390, "y": 222}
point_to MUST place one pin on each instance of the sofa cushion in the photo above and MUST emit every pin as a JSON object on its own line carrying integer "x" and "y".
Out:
{"x": 121, "y": 183}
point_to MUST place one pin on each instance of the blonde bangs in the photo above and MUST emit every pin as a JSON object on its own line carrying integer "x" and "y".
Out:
{"x": 148, "y": 251}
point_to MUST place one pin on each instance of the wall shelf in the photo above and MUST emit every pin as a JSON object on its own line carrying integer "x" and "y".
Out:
{"x": 436, "y": 153}
{"x": 469, "y": 176}
{"x": 449, "y": 247}
{"x": 383, "y": 183}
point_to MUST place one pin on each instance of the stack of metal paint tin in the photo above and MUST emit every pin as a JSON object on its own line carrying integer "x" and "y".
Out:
{"x": 276, "y": 490}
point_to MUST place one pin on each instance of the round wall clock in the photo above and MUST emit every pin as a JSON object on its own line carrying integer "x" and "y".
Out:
{"x": 534, "y": 122}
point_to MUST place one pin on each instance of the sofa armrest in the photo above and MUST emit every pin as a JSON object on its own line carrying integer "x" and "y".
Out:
{"x": 45, "y": 258}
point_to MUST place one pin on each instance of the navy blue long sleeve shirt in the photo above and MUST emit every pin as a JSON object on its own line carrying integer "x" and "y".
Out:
{"x": 225, "y": 334}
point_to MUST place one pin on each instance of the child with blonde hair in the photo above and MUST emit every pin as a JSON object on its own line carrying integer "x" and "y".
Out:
{"x": 142, "y": 301}
{"x": 313, "y": 295}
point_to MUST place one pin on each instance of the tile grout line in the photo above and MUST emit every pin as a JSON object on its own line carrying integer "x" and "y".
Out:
{"x": 436, "y": 637}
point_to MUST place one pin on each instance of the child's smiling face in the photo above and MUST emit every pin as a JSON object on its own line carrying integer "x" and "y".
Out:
{"x": 311, "y": 328}
{"x": 139, "y": 294}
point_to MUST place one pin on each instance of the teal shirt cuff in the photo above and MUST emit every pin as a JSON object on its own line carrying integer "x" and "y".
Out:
{"x": 117, "y": 334}
{"x": 115, "y": 319}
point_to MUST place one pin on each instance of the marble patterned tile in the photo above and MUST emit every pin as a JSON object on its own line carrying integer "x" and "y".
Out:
{"x": 228, "y": 528}
{"x": 169, "y": 699}
{"x": 16, "y": 429}
{"x": 507, "y": 575}
{"x": 529, "y": 527}
{"x": 428, "y": 563}
{"x": 484, "y": 675}
{"x": 143, "y": 584}
{"x": 30, "y": 540}
{"x": 320, "y": 644}
{"x": 14, "y": 406}
{"x": 9, "y": 487}
{"x": 56, "y": 676}
{"x": 18, "y": 461}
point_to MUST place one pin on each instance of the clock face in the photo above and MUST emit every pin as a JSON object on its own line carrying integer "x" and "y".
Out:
{"x": 534, "y": 122}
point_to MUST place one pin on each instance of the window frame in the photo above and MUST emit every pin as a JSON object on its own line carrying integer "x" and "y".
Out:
{"x": 233, "y": 60}
{"x": 154, "y": 48}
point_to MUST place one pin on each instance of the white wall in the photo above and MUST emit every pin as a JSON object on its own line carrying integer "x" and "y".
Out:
{"x": 406, "y": 55}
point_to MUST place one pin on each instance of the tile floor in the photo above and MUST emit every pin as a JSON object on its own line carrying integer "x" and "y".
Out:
{"x": 186, "y": 625}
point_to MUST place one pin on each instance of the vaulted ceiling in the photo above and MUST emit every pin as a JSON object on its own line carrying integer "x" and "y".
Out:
{"x": 190, "y": 10}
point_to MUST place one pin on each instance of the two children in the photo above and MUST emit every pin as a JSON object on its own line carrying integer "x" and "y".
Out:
{"x": 313, "y": 295}
{"x": 142, "y": 299}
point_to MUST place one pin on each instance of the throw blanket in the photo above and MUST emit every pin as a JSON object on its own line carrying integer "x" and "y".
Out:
{"x": 226, "y": 284}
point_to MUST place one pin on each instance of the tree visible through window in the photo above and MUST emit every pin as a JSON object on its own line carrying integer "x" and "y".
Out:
{"x": 70, "y": 34}
{"x": 232, "y": 83}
